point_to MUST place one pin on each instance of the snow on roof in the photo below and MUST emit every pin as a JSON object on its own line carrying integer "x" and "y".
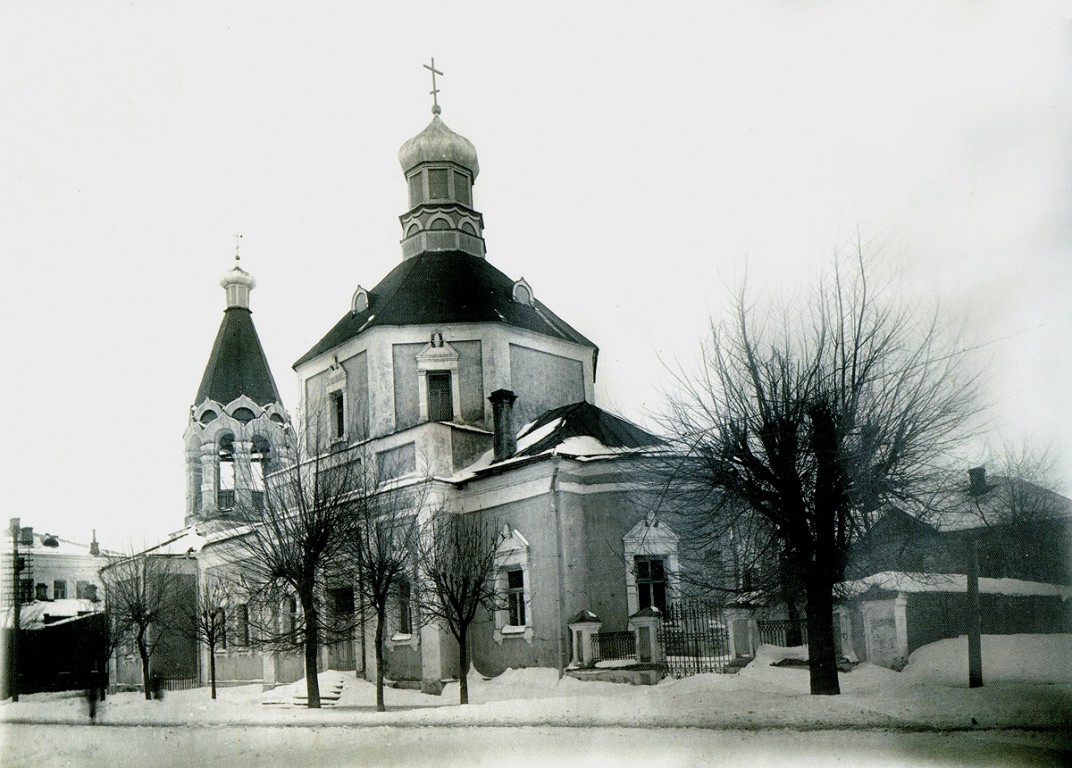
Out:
{"x": 32, "y": 615}
{"x": 580, "y": 431}
{"x": 997, "y": 504}
{"x": 899, "y": 581}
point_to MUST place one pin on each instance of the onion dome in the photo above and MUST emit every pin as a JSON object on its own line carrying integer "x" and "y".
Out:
{"x": 437, "y": 144}
{"x": 238, "y": 283}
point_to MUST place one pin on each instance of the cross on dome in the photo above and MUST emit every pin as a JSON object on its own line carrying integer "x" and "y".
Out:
{"x": 435, "y": 91}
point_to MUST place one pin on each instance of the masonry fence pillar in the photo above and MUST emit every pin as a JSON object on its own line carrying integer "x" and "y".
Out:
{"x": 645, "y": 625}
{"x": 583, "y": 627}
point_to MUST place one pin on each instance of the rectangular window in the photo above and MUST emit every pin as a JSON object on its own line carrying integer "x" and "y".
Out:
{"x": 85, "y": 591}
{"x": 515, "y": 597}
{"x": 59, "y": 590}
{"x": 338, "y": 415}
{"x": 405, "y": 619}
{"x": 437, "y": 184}
{"x": 440, "y": 399}
{"x": 461, "y": 188}
{"x": 414, "y": 189}
{"x": 41, "y": 592}
{"x": 651, "y": 582}
{"x": 396, "y": 462}
{"x": 292, "y": 618}
{"x": 242, "y": 624}
{"x": 221, "y": 626}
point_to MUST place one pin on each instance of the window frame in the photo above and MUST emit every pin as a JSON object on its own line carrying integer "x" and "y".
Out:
{"x": 512, "y": 555}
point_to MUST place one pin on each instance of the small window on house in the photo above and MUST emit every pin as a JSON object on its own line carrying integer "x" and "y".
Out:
{"x": 437, "y": 184}
{"x": 242, "y": 624}
{"x": 338, "y": 415}
{"x": 26, "y": 591}
{"x": 651, "y": 582}
{"x": 84, "y": 590}
{"x": 405, "y": 609}
{"x": 515, "y": 597}
{"x": 41, "y": 592}
{"x": 59, "y": 590}
{"x": 440, "y": 399}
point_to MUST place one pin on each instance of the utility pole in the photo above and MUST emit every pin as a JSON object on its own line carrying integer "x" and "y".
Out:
{"x": 16, "y": 621}
{"x": 975, "y": 640}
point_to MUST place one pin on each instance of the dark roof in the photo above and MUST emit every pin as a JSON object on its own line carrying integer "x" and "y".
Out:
{"x": 237, "y": 365}
{"x": 445, "y": 287}
{"x": 586, "y": 420}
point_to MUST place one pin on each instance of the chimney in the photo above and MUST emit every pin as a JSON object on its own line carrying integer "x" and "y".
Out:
{"x": 977, "y": 481}
{"x": 502, "y": 414}
{"x": 94, "y": 548}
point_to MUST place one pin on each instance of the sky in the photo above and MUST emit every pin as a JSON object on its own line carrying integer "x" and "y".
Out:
{"x": 635, "y": 163}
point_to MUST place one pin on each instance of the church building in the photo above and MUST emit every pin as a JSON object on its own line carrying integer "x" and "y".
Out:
{"x": 450, "y": 373}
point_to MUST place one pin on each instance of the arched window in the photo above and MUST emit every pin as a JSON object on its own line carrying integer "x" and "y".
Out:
{"x": 225, "y": 468}
{"x": 259, "y": 458}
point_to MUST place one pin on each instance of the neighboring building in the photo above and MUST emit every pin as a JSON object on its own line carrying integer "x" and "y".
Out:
{"x": 54, "y": 572}
{"x": 60, "y": 598}
{"x": 909, "y": 584}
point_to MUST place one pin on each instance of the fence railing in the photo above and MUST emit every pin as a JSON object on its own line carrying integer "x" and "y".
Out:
{"x": 695, "y": 639}
{"x": 614, "y": 646}
{"x": 783, "y": 632}
{"x": 179, "y": 683}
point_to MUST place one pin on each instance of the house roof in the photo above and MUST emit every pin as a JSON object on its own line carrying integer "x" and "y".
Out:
{"x": 445, "y": 287}
{"x": 237, "y": 365}
{"x": 582, "y": 429}
{"x": 1006, "y": 500}
{"x": 900, "y": 581}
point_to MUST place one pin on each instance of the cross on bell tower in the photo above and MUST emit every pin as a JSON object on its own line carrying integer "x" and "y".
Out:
{"x": 435, "y": 91}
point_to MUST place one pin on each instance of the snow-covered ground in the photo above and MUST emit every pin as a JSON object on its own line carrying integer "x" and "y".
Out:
{"x": 1028, "y": 685}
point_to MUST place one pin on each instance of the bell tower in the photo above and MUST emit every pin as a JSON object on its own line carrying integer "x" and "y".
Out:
{"x": 440, "y": 168}
{"x": 238, "y": 427}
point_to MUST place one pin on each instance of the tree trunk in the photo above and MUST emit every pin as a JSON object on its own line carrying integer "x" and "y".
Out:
{"x": 822, "y": 650}
{"x": 463, "y": 666}
{"x": 380, "y": 619}
{"x": 212, "y": 668}
{"x": 146, "y": 680}
{"x": 312, "y": 650}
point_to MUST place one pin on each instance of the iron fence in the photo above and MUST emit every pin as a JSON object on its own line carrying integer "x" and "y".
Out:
{"x": 695, "y": 639}
{"x": 614, "y": 646}
{"x": 783, "y": 632}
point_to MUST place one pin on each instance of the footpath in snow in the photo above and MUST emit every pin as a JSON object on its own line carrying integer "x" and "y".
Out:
{"x": 1028, "y": 685}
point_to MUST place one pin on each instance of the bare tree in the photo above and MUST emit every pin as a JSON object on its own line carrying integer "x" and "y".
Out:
{"x": 207, "y": 621}
{"x": 298, "y": 530}
{"x": 814, "y": 420}
{"x": 384, "y": 553}
{"x": 456, "y": 562}
{"x": 140, "y": 594}
{"x": 1020, "y": 517}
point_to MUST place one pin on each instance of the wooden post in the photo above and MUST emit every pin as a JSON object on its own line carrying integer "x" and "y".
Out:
{"x": 975, "y": 640}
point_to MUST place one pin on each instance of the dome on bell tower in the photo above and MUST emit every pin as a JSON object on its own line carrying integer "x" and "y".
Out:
{"x": 439, "y": 144}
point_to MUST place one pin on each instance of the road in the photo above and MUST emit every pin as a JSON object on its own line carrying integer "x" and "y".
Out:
{"x": 43, "y": 746}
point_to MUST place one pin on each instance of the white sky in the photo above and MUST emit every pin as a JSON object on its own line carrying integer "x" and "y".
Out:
{"x": 632, "y": 161}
